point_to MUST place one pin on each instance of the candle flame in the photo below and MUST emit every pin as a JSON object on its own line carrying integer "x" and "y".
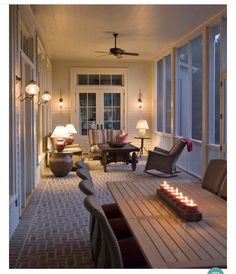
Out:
{"x": 191, "y": 202}
{"x": 164, "y": 183}
{"x": 186, "y": 199}
{"x": 181, "y": 195}
{"x": 176, "y": 191}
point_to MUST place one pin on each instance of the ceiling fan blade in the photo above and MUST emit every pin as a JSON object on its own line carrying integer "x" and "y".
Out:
{"x": 99, "y": 51}
{"x": 104, "y": 55}
{"x": 130, "y": 53}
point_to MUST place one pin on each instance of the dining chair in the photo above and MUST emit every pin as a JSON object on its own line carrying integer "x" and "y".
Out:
{"x": 223, "y": 190}
{"x": 111, "y": 252}
{"x": 87, "y": 187}
{"x": 214, "y": 175}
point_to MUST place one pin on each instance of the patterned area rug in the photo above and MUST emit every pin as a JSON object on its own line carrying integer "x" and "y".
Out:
{"x": 53, "y": 231}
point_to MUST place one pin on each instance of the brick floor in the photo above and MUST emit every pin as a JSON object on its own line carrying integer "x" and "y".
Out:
{"x": 54, "y": 229}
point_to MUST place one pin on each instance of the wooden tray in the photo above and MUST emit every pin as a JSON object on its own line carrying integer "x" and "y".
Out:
{"x": 188, "y": 216}
{"x": 115, "y": 144}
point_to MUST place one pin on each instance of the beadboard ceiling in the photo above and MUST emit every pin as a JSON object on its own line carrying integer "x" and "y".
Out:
{"x": 75, "y": 32}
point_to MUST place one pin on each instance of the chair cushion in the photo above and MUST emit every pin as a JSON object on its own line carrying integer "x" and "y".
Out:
{"x": 95, "y": 149}
{"x": 120, "y": 228}
{"x": 131, "y": 254}
{"x": 111, "y": 211}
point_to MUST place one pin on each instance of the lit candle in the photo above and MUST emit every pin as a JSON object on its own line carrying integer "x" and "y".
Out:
{"x": 179, "y": 198}
{"x": 170, "y": 192}
{"x": 164, "y": 186}
{"x": 191, "y": 206}
{"x": 184, "y": 202}
{"x": 175, "y": 194}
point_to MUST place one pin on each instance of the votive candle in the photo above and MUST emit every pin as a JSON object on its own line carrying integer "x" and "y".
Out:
{"x": 191, "y": 206}
{"x": 184, "y": 202}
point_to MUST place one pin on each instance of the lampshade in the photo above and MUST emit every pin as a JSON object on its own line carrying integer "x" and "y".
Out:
{"x": 71, "y": 129}
{"x": 32, "y": 88}
{"x": 142, "y": 124}
{"x": 46, "y": 96}
{"x": 60, "y": 132}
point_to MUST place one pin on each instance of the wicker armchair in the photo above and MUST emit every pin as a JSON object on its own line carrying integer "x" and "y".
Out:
{"x": 163, "y": 160}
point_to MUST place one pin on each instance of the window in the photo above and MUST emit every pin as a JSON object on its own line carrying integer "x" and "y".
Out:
{"x": 189, "y": 90}
{"x": 96, "y": 80}
{"x": 214, "y": 86}
{"x": 164, "y": 95}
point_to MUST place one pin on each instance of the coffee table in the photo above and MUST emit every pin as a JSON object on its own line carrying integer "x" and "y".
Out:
{"x": 118, "y": 154}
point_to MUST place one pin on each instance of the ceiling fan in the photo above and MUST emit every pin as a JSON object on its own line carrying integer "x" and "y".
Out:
{"x": 118, "y": 52}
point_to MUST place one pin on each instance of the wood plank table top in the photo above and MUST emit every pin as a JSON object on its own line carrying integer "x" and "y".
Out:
{"x": 168, "y": 241}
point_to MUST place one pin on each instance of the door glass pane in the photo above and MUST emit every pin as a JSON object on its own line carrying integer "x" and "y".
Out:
{"x": 87, "y": 112}
{"x": 83, "y": 99}
{"x": 116, "y": 99}
{"x": 116, "y": 125}
{"x": 168, "y": 95}
{"x": 84, "y": 127}
{"x": 107, "y": 99}
{"x": 108, "y": 125}
{"x": 182, "y": 96}
{"x": 92, "y": 99}
{"x": 160, "y": 95}
{"x": 116, "y": 114}
{"x": 112, "y": 110}
{"x": 83, "y": 114}
{"x": 91, "y": 114}
{"x": 196, "y": 47}
{"x": 107, "y": 114}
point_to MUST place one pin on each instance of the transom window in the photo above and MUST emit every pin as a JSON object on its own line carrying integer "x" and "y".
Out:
{"x": 100, "y": 79}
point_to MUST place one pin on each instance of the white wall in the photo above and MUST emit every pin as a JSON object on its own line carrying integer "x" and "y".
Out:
{"x": 139, "y": 76}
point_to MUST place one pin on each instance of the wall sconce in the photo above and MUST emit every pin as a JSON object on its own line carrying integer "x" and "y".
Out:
{"x": 32, "y": 89}
{"x": 46, "y": 97}
{"x": 60, "y": 100}
{"x": 140, "y": 102}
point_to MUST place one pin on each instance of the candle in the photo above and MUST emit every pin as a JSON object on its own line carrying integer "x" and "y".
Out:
{"x": 191, "y": 206}
{"x": 164, "y": 186}
{"x": 184, "y": 202}
{"x": 179, "y": 197}
{"x": 175, "y": 194}
{"x": 170, "y": 192}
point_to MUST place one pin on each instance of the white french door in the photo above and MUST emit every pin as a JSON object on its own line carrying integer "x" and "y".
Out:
{"x": 99, "y": 109}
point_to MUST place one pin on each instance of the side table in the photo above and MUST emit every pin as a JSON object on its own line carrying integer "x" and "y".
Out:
{"x": 60, "y": 163}
{"x": 142, "y": 147}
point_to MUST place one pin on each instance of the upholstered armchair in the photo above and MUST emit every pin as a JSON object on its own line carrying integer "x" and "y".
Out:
{"x": 163, "y": 160}
{"x": 100, "y": 136}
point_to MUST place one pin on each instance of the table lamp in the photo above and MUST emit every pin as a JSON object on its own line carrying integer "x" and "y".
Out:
{"x": 70, "y": 130}
{"x": 142, "y": 125}
{"x": 60, "y": 135}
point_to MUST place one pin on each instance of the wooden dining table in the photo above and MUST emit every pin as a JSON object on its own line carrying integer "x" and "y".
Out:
{"x": 167, "y": 240}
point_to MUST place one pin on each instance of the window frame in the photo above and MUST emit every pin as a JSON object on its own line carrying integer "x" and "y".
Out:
{"x": 163, "y": 59}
